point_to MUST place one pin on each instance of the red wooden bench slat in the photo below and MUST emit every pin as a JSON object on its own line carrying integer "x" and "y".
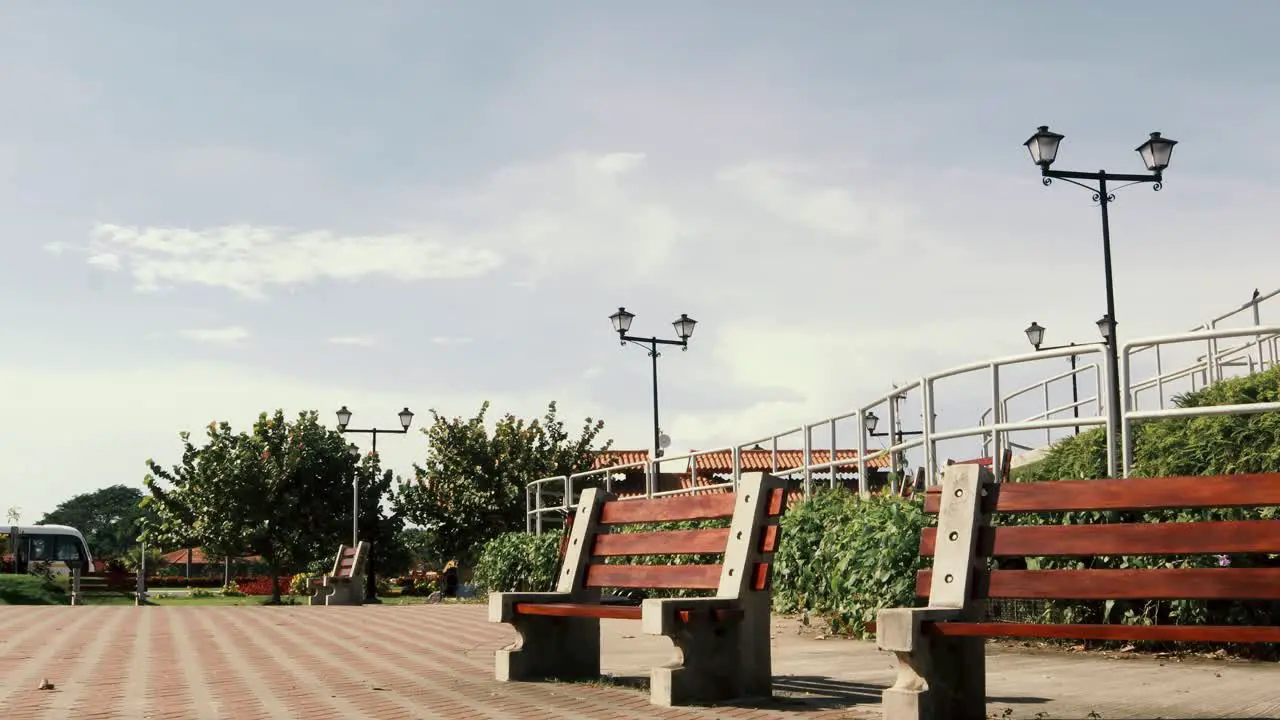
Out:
{"x": 684, "y": 577}
{"x": 1131, "y": 633}
{"x": 671, "y": 542}
{"x": 696, "y": 507}
{"x": 595, "y": 610}
{"x": 1251, "y": 490}
{"x": 1187, "y": 538}
{"x": 613, "y": 612}
{"x": 1140, "y": 584}
{"x": 769, "y": 538}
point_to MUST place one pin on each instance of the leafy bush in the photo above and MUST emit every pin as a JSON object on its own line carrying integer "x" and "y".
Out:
{"x": 516, "y": 562}
{"x": 845, "y": 557}
{"x": 667, "y": 559}
{"x": 298, "y": 584}
{"x": 1212, "y": 445}
{"x": 27, "y": 589}
{"x": 232, "y": 589}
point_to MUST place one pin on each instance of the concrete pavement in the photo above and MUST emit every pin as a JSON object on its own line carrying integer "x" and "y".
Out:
{"x": 428, "y": 661}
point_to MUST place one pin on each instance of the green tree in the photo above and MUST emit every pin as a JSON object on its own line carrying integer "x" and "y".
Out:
{"x": 109, "y": 518}
{"x": 380, "y": 528}
{"x": 281, "y": 491}
{"x": 471, "y": 487}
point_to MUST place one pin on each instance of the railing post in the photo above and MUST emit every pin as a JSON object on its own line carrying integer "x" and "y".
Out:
{"x": 528, "y": 508}
{"x": 737, "y": 466}
{"x": 538, "y": 505}
{"x": 997, "y": 417}
{"x": 832, "y": 423}
{"x": 926, "y": 430}
{"x": 808, "y": 460}
{"x": 864, "y": 485}
{"x": 893, "y": 437}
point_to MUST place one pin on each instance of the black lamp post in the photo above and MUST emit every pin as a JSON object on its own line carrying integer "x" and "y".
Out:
{"x": 344, "y": 417}
{"x": 870, "y": 421}
{"x": 1156, "y": 153}
{"x": 684, "y": 330}
{"x": 1035, "y": 335}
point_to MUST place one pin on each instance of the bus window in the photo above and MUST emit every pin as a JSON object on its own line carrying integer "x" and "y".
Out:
{"x": 68, "y": 549}
{"x": 41, "y": 548}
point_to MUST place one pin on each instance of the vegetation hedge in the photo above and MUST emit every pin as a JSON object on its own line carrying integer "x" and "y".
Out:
{"x": 1213, "y": 445}
{"x": 843, "y": 557}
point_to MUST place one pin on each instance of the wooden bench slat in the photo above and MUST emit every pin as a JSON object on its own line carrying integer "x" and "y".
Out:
{"x": 1187, "y": 538}
{"x": 614, "y": 612}
{"x": 671, "y": 542}
{"x": 595, "y": 610}
{"x": 1131, "y": 584}
{"x": 1131, "y": 633}
{"x": 1251, "y": 490}
{"x": 684, "y": 577}
{"x": 669, "y": 509}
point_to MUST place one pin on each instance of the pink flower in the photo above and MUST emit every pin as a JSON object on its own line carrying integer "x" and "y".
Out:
{"x": 1224, "y": 561}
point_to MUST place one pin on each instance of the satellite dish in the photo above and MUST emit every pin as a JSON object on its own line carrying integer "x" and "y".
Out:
{"x": 664, "y": 442}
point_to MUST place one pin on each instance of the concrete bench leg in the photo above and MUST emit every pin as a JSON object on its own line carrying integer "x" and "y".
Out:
{"x": 566, "y": 648}
{"x": 939, "y": 678}
{"x": 716, "y": 661}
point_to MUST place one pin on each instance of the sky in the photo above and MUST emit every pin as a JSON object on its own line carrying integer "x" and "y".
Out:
{"x": 210, "y": 210}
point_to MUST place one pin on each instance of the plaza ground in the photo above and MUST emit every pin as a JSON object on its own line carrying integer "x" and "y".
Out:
{"x": 428, "y": 661}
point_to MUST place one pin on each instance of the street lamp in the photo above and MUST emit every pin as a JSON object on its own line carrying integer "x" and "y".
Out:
{"x": 870, "y": 421}
{"x": 344, "y": 418}
{"x": 1156, "y": 153}
{"x": 684, "y": 330}
{"x": 1036, "y": 336}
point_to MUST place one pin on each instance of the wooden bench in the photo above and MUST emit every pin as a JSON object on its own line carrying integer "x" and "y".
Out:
{"x": 941, "y": 664}
{"x": 345, "y": 584}
{"x": 722, "y": 642}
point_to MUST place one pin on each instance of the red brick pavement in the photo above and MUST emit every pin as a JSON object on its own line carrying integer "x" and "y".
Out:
{"x": 384, "y": 662}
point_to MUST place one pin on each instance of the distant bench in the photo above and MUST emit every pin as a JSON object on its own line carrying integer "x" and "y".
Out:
{"x": 345, "y": 584}
{"x": 722, "y": 641}
{"x": 941, "y": 663}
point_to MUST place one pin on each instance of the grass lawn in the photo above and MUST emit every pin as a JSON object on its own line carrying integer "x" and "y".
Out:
{"x": 29, "y": 590}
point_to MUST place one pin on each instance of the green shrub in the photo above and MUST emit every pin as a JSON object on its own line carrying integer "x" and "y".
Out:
{"x": 845, "y": 557}
{"x": 517, "y": 562}
{"x": 30, "y": 590}
{"x": 1214, "y": 445}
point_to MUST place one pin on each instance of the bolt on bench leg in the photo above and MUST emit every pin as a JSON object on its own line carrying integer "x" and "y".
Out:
{"x": 566, "y": 648}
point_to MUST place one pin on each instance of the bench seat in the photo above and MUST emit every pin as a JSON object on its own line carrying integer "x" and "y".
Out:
{"x": 722, "y": 642}
{"x": 609, "y": 611}
{"x": 940, "y": 648}
{"x": 1130, "y": 633}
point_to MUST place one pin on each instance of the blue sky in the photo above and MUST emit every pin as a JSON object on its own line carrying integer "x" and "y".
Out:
{"x": 210, "y": 211}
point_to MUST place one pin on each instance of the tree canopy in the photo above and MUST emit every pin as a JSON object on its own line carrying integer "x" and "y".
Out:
{"x": 110, "y": 519}
{"x": 281, "y": 491}
{"x": 471, "y": 486}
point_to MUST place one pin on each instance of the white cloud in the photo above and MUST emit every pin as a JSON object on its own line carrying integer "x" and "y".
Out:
{"x": 357, "y": 340}
{"x": 248, "y": 260}
{"x": 619, "y": 163}
{"x": 216, "y": 336}
{"x": 450, "y": 341}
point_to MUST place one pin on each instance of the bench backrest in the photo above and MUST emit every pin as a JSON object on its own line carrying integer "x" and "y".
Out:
{"x": 746, "y": 547}
{"x": 966, "y": 539}
{"x": 351, "y": 560}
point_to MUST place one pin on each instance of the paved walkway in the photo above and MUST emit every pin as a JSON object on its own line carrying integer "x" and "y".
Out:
{"x": 431, "y": 661}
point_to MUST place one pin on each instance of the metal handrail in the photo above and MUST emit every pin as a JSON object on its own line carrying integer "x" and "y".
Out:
{"x": 994, "y": 424}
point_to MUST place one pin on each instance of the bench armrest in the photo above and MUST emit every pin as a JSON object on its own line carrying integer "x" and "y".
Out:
{"x": 900, "y": 629}
{"x": 660, "y": 616}
{"x": 502, "y": 605}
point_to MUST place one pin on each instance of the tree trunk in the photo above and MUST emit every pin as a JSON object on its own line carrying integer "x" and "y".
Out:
{"x": 275, "y": 581}
{"x": 370, "y": 582}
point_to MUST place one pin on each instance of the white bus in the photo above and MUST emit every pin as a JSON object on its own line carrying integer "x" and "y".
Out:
{"x": 55, "y": 545}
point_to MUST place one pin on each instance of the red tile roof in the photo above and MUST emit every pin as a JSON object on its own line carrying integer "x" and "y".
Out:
{"x": 620, "y": 457}
{"x": 179, "y": 557}
{"x": 722, "y": 461}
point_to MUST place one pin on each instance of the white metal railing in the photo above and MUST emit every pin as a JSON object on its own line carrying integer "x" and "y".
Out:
{"x": 994, "y": 430}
